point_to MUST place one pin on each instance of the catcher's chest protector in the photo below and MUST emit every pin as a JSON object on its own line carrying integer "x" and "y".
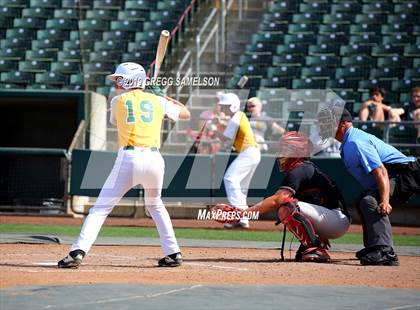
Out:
{"x": 298, "y": 224}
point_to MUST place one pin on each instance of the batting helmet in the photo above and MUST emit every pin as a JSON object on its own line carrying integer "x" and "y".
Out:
{"x": 129, "y": 75}
{"x": 230, "y": 100}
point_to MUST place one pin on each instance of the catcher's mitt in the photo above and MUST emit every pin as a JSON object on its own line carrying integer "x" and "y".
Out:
{"x": 224, "y": 213}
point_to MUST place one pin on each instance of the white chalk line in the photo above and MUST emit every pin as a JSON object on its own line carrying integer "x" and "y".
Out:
{"x": 416, "y": 306}
{"x": 217, "y": 266}
{"x": 110, "y": 300}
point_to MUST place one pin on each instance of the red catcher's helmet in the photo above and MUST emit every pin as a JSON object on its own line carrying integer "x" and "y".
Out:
{"x": 294, "y": 147}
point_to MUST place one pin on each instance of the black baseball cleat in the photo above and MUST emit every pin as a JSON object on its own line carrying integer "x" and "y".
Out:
{"x": 72, "y": 260}
{"x": 384, "y": 256}
{"x": 173, "y": 260}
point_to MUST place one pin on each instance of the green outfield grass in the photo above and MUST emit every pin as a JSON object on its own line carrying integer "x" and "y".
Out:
{"x": 187, "y": 233}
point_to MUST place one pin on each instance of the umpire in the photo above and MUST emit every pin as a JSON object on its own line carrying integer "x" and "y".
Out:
{"x": 388, "y": 177}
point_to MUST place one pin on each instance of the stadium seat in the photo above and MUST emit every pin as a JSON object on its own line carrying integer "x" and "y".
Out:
{"x": 155, "y": 25}
{"x": 256, "y": 59}
{"x": 396, "y": 29}
{"x": 413, "y": 74}
{"x": 406, "y": 8}
{"x": 332, "y": 38}
{"x": 277, "y": 82}
{"x": 358, "y": 61}
{"x": 93, "y": 24}
{"x": 302, "y": 28}
{"x": 346, "y": 7}
{"x": 398, "y": 39}
{"x": 265, "y": 48}
{"x": 134, "y": 15}
{"x": 329, "y": 61}
{"x": 283, "y": 71}
{"x": 284, "y": 7}
{"x": 308, "y": 83}
{"x": 142, "y": 46}
{"x": 51, "y": 78}
{"x": 68, "y": 14}
{"x": 20, "y": 33}
{"x": 11, "y": 86}
{"x": 107, "y": 4}
{"x": 342, "y": 84}
{"x": 372, "y": 128}
{"x": 318, "y": 73}
{"x": 412, "y": 51}
{"x": 11, "y": 54}
{"x": 334, "y": 28}
{"x": 49, "y": 4}
{"x": 371, "y": 18}
{"x": 164, "y": 15}
{"x": 401, "y": 134}
{"x": 294, "y": 49}
{"x": 385, "y": 73}
{"x": 387, "y": 50}
{"x": 143, "y": 57}
{"x": 365, "y": 39}
{"x": 8, "y": 65}
{"x": 29, "y": 22}
{"x": 300, "y": 38}
{"x": 41, "y": 55}
{"x": 86, "y": 35}
{"x": 288, "y": 60}
{"x": 140, "y": 4}
{"x": 17, "y": 77}
{"x": 106, "y": 56}
{"x": 52, "y": 34}
{"x": 118, "y": 35}
{"x": 15, "y": 43}
{"x": 366, "y": 84}
{"x": 351, "y": 73}
{"x": 361, "y": 29}
{"x": 323, "y": 49}
{"x": 279, "y": 18}
{"x": 402, "y": 86}
{"x": 267, "y": 37}
{"x": 378, "y": 8}
{"x": 98, "y": 68}
{"x": 355, "y": 49}
{"x": 42, "y": 13}
{"x": 273, "y": 27}
{"x": 6, "y": 12}
{"x": 338, "y": 18}
{"x": 109, "y": 45}
{"x": 402, "y": 19}
{"x": 47, "y": 44}
{"x": 77, "y": 4}
{"x": 250, "y": 70}
{"x": 62, "y": 23}
{"x": 66, "y": 67}
{"x": 314, "y": 7}
{"x": 102, "y": 14}
{"x": 394, "y": 62}
{"x": 34, "y": 66}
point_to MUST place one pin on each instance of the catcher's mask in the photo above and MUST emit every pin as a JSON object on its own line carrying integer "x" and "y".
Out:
{"x": 294, "y": 147}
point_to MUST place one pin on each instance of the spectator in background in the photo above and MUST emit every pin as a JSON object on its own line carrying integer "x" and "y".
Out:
{"x": 413, "y": 111}
{"x": 375, "y": 108}
{"x": 261, "y": 123}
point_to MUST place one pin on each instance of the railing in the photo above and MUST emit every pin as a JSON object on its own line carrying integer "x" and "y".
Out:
{"x": 201, "y": 47}
{"x": 187, "y": 59}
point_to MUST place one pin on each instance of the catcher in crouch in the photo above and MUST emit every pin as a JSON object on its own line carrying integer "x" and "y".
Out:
{"x": 308, "y": 202}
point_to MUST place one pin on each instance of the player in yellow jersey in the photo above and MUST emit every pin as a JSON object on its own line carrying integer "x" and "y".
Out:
{"x": 239, "y": 174}
{"x": 138, "y": 116}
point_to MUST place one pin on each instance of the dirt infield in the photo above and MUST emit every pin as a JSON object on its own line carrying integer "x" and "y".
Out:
{"x": 23, "y": 264}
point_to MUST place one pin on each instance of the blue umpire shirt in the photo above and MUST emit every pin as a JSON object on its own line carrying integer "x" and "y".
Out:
{"x": 362, "y": 152}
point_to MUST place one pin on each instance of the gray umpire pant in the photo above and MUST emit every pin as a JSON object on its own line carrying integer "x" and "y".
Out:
{"x": 377, "y": 228}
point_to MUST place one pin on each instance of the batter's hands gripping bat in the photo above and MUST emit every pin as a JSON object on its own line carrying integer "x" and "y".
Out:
{"x": 160, "y": 52}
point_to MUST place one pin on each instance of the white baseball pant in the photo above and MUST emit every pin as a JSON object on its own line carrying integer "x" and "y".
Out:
{"x": 330, "y": 224}
{"x": 132, "y": 167}
{"x": 238, "y": 177}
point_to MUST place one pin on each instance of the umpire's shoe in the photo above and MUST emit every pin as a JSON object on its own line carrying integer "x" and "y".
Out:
{"x": 73, "y": 260}
{"x": 173, "y": 260}
{"x": 383, "y": 256}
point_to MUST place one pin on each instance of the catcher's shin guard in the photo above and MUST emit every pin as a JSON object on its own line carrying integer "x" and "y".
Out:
{"x": 298, "y": 224}
{"x": 312, "y": 247}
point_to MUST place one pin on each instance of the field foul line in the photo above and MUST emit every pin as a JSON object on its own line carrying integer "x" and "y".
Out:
{"x": 218, "y": 266}
{"x": 104, "y": 301}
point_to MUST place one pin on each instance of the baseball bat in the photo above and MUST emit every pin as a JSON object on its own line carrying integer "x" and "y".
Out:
{"x": 241, "y": 84}
{"x": 161, "y": 50}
